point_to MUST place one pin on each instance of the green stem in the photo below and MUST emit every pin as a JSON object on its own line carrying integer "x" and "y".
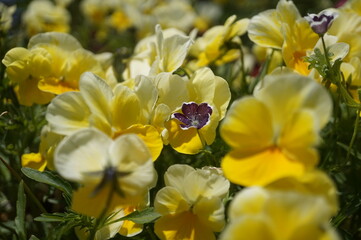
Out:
{"x": 243, "y": 81}
{"x": 262, "y": 73}
{"x": 354, "y": 134}
{"x": 26, "y": 187}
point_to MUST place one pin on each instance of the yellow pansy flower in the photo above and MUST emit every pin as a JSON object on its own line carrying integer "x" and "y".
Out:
{"x": 190, "y": 204}
{"x": 43, "y": 16}
{"x": 114, "y": 111}
{"x": 273, "y": 133}
{"x": 256, "y": 213}
{"x": 113, "y": 173}
{"x": 51, "y": 65}
{"x": 283, "y": 28}
{"x": 188, "y": 111}
{"x": 212, "y": 46}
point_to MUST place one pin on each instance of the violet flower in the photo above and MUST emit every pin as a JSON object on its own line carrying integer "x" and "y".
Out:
{"x": 194, "y": 115}
{"x": 321, "y": 22}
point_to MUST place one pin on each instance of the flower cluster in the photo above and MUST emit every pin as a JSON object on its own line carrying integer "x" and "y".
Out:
{"x": 157, "y": 121}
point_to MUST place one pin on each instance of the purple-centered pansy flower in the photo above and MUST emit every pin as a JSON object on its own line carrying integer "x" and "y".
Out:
{"x": 194, "y": 115}
{"x": 321, "y": 22}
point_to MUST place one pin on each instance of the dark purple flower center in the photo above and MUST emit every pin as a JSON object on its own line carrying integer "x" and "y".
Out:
{"x": 194, "y": 115}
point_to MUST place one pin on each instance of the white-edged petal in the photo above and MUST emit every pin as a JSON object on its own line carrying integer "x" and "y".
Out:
{"x": 81, "y": 154}
{"x": 68, "y": 113}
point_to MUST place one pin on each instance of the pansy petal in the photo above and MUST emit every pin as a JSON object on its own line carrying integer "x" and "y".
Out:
{"x": 175, "y": 175}
{"x": 33, "y": 160}
{"x": 248, "y": 125}
{"x": 130, "y": 228}
{"x": 68, "y": 113}
{"x": 185, "y": 141}
{"x": 249, "y": 227}
{"x": 125, "y": 108}
{"x": 210, "y": 212}
{"x": 63, "y": 40}
{"x": 259, "y": 169}
{"x": 172, "y": 90}
{"x": 150, "y": 136}
{"x": 128, "y": 153}
{"x": 182, "y": 226}
{"x": 97, "y": 94}
{"x": 82, "y": 153}
{"x": 170, "y": 201}
{"x": 264, "y": 29}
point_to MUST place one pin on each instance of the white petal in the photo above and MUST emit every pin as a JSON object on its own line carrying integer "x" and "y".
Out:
{"x": 81, "y": 154}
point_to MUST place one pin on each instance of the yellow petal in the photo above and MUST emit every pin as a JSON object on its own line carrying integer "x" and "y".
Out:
{"x": 210, "y": 212}
{"x": 68, "y": 113}
{"x": 184, "y": 141}
{"x": 264, "y": 29}
{"x": 150, "y": 136}
{"x": 83, "y": 152}
{"x": 130, "y": 228}
{"x": 28, "y": 93}
{"x": 125, "y": 108}
{"x": 248, "y": 126}
{"x": 33, "y": 160}
{"x": 62, "y": 40}
{"x": 259, "y": 169}
{"x": 170, "y": 201}
{"x": 97, "y": 94}
{"x": 84, "y": 202}
{"x": 249, "y": 227}
{"x": 184, "y": 226}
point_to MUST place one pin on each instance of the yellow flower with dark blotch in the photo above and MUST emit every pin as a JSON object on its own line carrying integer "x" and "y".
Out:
{"x": 43, "y": 16}
{"x": 273, "y": 134}
{"x": 212, "y": 47}
{"x": 114, "y": 111}
{"x": 257, "y": 214}
{"x": 190, "y": 204}
{"x": 189, "y": 112}
{"x": 113, "y": 173}
{"x": 51, "y": 65}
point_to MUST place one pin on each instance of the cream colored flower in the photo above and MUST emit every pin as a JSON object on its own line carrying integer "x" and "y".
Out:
{"x": 114, "y": 173}
{"x": 212, "y": 48}
{"x": 114, "y": 111}
{"x": 257, "y": 214}
{"x": 43, "y": 16}
{"x": 163, "y": 52}
{"x": 190, "y": 204}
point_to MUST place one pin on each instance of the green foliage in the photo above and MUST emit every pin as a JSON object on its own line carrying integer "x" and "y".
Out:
{"x": 20, "y": 213}
{"x": 51, "y": 179}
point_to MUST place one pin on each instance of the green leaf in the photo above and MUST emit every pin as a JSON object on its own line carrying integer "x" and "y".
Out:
{"x": 20, "y": 213}
{"x": 141, "y": 217}
{"x": 50, "y": 178}
{"x": 51, "y": 217}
